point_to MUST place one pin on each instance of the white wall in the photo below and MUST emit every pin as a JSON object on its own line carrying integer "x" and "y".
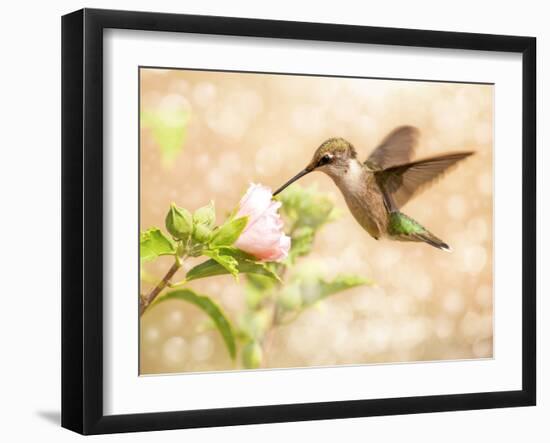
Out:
{"x": 30, "y": 221}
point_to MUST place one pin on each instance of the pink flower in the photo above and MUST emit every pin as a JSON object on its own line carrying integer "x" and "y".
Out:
{"x": 263, "y": 236}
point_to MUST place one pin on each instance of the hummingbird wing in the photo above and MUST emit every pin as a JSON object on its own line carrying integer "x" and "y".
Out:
{"x": 400, "y": 183}
{"x": 397, "y": 148}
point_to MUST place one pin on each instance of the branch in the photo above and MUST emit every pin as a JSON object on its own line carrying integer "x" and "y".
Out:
{"x": 149, "y": 298}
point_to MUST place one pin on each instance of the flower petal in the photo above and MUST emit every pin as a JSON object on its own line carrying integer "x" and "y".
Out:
{"x": 263, "y": 236}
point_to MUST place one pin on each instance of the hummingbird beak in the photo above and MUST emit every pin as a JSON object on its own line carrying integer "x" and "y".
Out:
{"x": 292, "y": 180}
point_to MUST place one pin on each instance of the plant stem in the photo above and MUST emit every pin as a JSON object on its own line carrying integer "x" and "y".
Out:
{"x": 268, "y": 338}
{"x": 178, "y": 284}
{"x": 149, "y": 298}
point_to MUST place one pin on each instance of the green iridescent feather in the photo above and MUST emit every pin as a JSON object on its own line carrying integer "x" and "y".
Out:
{"x": 401, "y": 224}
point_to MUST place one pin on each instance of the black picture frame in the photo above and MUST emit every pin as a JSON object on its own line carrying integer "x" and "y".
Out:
{"x": 82, "y": 220}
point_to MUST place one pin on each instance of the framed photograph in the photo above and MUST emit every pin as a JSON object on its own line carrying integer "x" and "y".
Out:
{"x": 269, "y": 221}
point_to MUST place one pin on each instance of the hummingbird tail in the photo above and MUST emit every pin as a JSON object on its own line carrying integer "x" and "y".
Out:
{"x": 404, "y": 228}
{"x": 432, "y": 240}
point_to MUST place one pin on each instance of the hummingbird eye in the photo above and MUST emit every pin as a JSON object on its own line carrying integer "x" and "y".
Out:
{"x": 327, "y": 158}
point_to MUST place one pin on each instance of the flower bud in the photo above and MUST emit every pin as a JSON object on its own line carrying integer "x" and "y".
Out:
{"x": 205, "y": 216}
{"x": 179, "y": 222}
{"x": 201, "y": 233}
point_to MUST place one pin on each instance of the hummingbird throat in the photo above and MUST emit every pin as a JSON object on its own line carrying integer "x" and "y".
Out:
{"x": 352, "y": 177}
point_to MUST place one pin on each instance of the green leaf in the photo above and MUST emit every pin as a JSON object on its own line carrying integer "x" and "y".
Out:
{"x": 206, "y": 215}
{"x": 169, "y": 131}
{"x": 301, "y": 244}
{"x": 244, "y": 264}
{"x": 211, "y": 309}
{"x": 341, "y": 283}
{"x": 306, "y": 207}
{"x": 290, "y": 297}
{"x": 229, "y": 232}
{"x": 257, "y": 288}
{"x": 226, "y": 261}
{"x": 153, "y": 243}
{"x": 252, "y": 355}
{"x": 314, "y": 291}
{"x": 254, "y": 324}
{"x": 179, "y": 222}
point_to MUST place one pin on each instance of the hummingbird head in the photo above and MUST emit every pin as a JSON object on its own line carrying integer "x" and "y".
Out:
{"x": 332, "y": 157}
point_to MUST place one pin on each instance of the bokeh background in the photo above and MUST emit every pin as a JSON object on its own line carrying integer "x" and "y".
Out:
{"x": 222, "y": 131}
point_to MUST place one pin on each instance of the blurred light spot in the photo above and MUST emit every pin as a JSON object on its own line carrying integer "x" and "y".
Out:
{"x": 485, "y": 183}
{"x": 202, "y": 348}
{"x": 173, "y": 320}
{"x": 344, "y": 111}
{"x": 173, "y": 193}
{"x": 473, "y": 259}
{"x": 486, "y": 325}
{"x": 341, "y": 342}
{"x": 484, "y": 296}
{"x": 268, "y": 161}
{"x": 174, "y": 350}
{"x": 247, "y": 101}
{"x": 203, "y": 161}
{"x": 377, "y": 336}
{"x": 409, "y": 332}
{"x": 351, "y": 260}
{"x": 173, "y": 110}
{"x": 217, "y": 179}
{"x": 308, "y": 119}
{"x": 422, "y": 286}
{"x": 453, "y": 302}
{"x": 226, "y": 122}
{"x": 433, "y": 145}
{"x": 443, "y": 327}
{"x": 151, "y": 334}
{"x": 204, "y": 94}
{"x": 483, "y": 133}
{"x": 233, "y": 116}
{"x": 323, "y": 90}
{"x": 446, "y": 118}
{"x": 371, "y": 301}
{"x": 150, "y": 99}
{"x": 304, "y": 341}
{"x": 483, "y": 348}
{"x": 366, "y": 124}
{"x": 388, "y": 257}
{"x": 477, "y": 230}
{"x": 456, "y": 206}
{"x": 472, "y": 325}
{"x": 230, "y": 162}
{"x": 213, "y": 287}
{"x": 150, "y": 353}
{"x": 231, "y": 297}
{"x": 401, "y": 304}
{"x": 475, "y": 326}
{"x": 180, "y": 85}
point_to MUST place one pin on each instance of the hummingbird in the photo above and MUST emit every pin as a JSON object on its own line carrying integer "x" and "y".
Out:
{"x": 377, "y": 189}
